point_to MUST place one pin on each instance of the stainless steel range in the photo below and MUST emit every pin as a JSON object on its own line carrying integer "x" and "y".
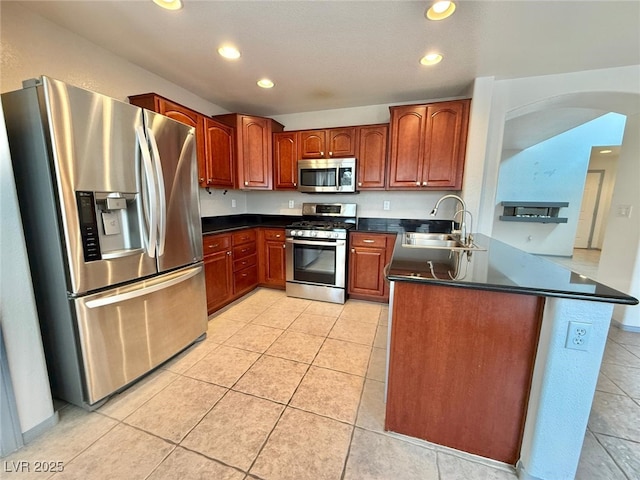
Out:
{"x": 316, "y": 252}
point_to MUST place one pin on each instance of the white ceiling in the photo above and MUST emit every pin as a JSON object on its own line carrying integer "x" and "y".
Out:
{"x": 339, "y": 54}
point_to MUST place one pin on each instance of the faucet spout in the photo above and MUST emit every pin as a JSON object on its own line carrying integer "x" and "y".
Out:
{"x": 463, "y": 225}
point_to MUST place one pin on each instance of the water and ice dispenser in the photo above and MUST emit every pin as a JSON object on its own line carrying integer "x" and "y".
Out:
{"x": 109, "y": 224}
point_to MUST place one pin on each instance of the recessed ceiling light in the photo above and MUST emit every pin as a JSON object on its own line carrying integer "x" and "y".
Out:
{"x": 606, "y": 151}
{"x": 431, "y": 59}
{"x": 229, "y": 52}
{"x": 440, "y": 10}
{"x": 265, "y": 83}
{"x": 169, "y": 4}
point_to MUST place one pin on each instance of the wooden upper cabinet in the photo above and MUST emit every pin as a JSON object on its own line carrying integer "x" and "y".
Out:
{"x": 372, "y": 156}
{"x": 329, "y": 143}
{"x": 285, "y": 160}
{"x": 219, "y": 145}
{"x": 428, "y": 145}
{"x": 342, "y": 142}
{"x": 313, "y": 143}
{"x": 175, "y": 111}
{"x": 253, "y": 149}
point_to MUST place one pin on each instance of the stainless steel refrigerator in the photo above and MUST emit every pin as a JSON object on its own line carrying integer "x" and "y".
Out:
{"x": 109, "y": 201}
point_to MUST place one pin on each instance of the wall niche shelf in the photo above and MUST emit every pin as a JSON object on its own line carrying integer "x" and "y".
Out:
{"x": 535, "y": 212}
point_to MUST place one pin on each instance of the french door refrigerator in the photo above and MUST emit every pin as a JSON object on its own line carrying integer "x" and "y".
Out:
{"x": 108, "y": 196}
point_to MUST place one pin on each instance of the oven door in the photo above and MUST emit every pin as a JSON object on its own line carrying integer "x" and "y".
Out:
{"x": 317, "y": 262}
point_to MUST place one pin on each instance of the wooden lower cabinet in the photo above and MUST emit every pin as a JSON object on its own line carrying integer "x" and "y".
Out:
{"x": 218, "y": 271}
{"x": 369, "y": 253}
{"x": 460, "y": 367}
{"x": 272, "y": 270}
{"x": 245, "y": 262}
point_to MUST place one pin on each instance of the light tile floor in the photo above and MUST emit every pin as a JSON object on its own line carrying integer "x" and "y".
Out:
{"x": 284, "y": 388}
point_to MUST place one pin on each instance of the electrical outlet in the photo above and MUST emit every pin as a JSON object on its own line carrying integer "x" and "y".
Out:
{"x": 233, "y": 203}
{"x": 578, "y": 336}
{"x": 386, "y": 205}
{"x": 291, "y": 204}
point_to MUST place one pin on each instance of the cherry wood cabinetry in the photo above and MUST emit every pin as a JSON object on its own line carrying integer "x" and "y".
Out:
{"x": 219, "y": 159}
{"x": 253, "y": 149}
{"x": 245, "y": 262}
{"x": 285, "y": 160}
{"x": 218, "y": 270}
{"x": 460, "y": 366}
{"x": 372, "y": 156}
{"x": 330, "y": 143}
{"x": 428, "y": 145}
{"x": 368, "y": 255}
{"x": 271, "y": 243}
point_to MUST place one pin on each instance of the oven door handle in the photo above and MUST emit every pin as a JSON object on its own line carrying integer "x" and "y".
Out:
{"x": 337, "y": 243}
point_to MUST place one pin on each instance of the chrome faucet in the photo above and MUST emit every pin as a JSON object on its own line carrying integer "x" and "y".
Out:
{"x": 463, "y": 225}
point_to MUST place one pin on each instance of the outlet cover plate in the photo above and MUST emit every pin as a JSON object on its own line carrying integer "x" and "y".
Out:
{"x": 578, "y": 336}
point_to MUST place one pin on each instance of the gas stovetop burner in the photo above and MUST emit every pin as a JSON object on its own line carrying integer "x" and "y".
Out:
{"x": 324, "y": 221}
{"x": 322, "y": 225}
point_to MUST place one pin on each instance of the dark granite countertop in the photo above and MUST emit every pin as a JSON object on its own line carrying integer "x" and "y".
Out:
{"x": 226, "y": 223}
{"x": 499, "y": 267}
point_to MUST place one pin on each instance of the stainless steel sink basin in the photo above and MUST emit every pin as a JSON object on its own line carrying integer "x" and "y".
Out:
{"x": 435, "y": 240}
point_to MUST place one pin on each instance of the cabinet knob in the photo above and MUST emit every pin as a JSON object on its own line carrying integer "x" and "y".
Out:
{"x": 284, "y": 245}
{"x": 418, "y": 184}
{"x": 424, "y": 184}
{"x": 353, "y": 250}
{"x": 228, "y": 253}
{"x": 295, "y": 184}
{"x": 201, "y": 179}
{"x": 246, "y": 184}
{"x": 209, "y": 181}
{"x": 322, "y": 154}
{"x": 331, "y": 154}
{"x": 359, "y": 184}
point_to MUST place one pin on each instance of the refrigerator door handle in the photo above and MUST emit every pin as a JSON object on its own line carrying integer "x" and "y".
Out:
{"x": 162, "y": 197}
{"x": 121, "y": 297}
{"x": 149, "y": 197}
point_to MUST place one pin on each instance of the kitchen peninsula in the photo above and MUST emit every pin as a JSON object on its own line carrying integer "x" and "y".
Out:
{"x": 496, "y": 352}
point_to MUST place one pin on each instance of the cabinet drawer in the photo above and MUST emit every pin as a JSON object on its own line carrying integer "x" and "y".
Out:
{"x": 368, "y": 240}
{"x": 244, "y": 262}
{"x": 244, "y": 236}
{"x": 245, "y": 250}
{"x": 245, "y": 279}
{"x": 274, "y": 234}
{"x": 215, "y": 243}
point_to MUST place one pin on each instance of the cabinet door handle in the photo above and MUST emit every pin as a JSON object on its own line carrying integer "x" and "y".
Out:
{"x": 278, "y": 235}
{"x": 214, "y": 246}
{"x": 366, "y": 240}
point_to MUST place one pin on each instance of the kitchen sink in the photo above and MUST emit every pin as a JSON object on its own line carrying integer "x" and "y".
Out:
{"x": 436, "y": 240}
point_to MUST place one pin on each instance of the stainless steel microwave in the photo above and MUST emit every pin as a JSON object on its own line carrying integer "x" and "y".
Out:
{"x": 330, "y": 175}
